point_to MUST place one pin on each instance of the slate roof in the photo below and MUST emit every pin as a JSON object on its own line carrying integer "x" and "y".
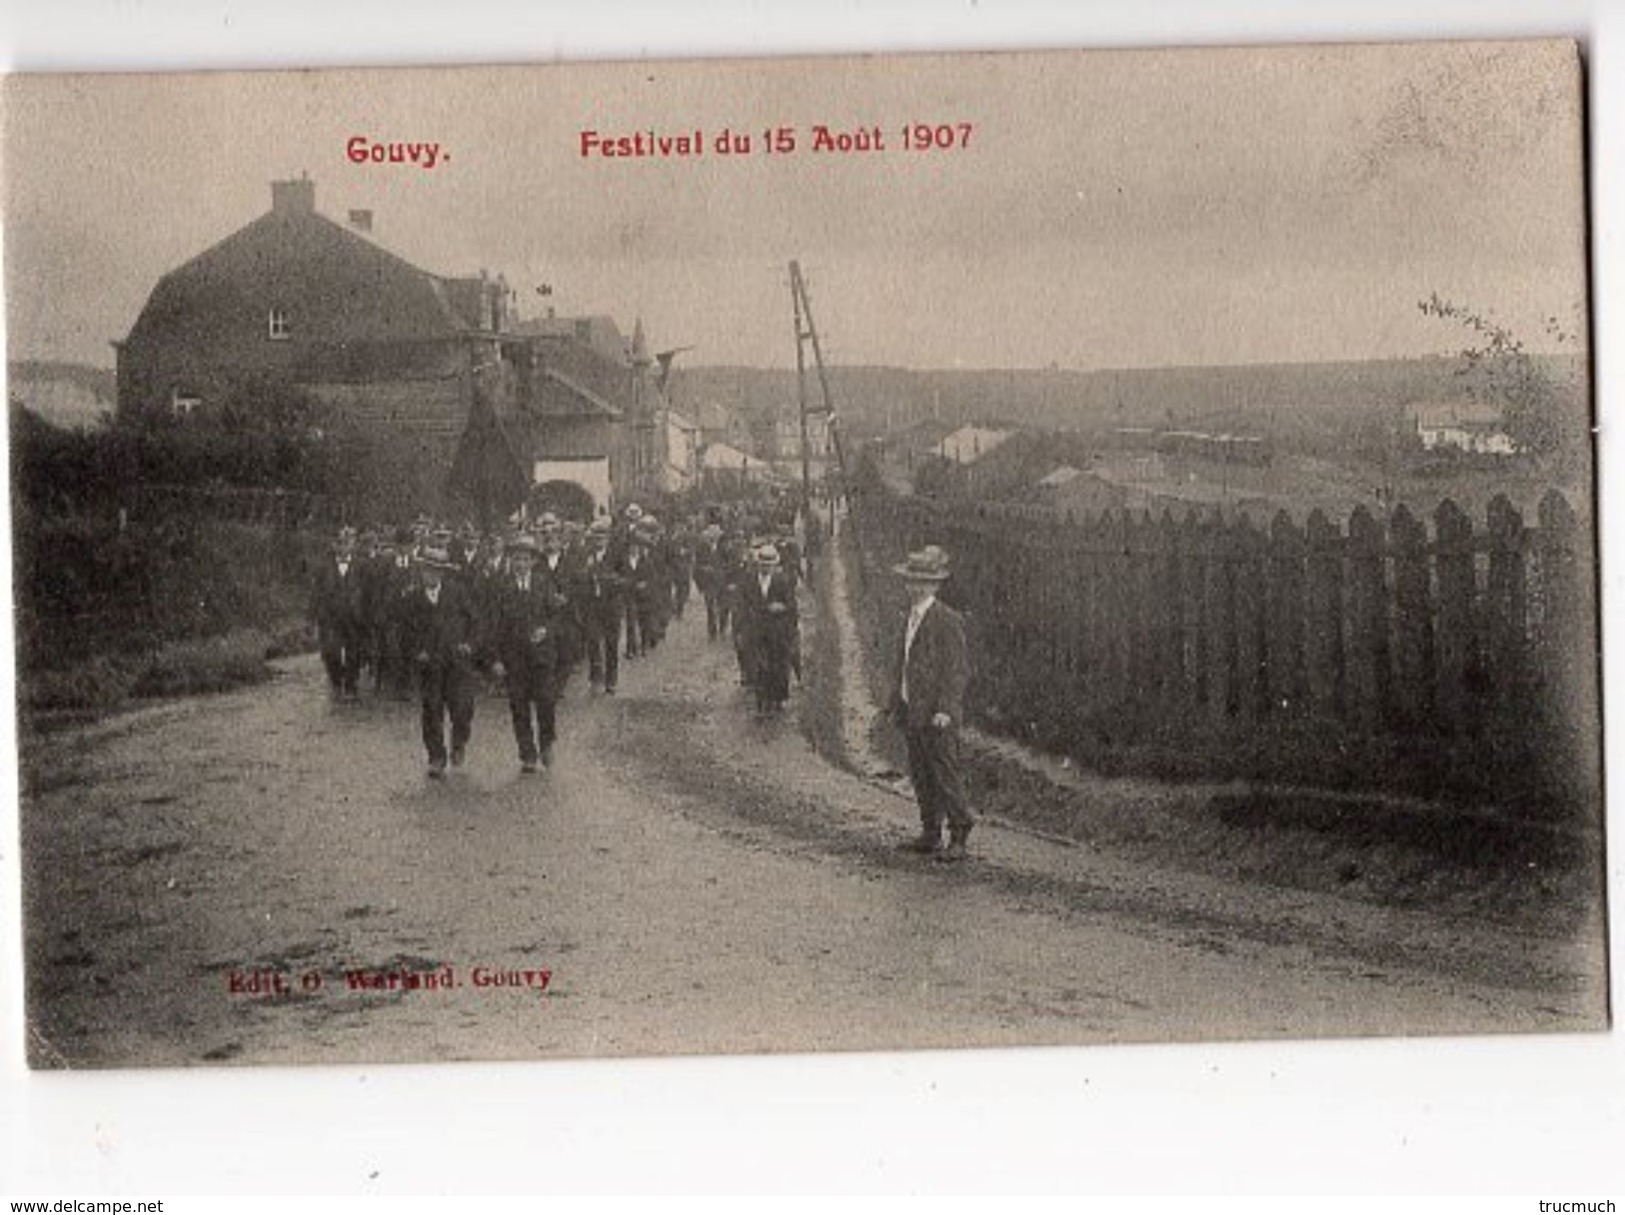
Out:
{"x": 335, "y": 285}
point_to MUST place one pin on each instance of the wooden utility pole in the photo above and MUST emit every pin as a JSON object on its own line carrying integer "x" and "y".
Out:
{"x": 807, "y": 331}
{"x": 803, "y": 327}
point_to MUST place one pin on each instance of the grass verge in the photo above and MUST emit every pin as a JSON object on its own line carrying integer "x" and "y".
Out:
{"x": 105, "y": 682}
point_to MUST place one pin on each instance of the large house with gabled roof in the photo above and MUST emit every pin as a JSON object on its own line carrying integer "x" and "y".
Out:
{"x": 299, "y": 298}
{"x": 413, "y": 358}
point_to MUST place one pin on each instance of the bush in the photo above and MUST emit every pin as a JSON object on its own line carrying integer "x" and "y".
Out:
{"x": 98, "y": 684}
{"x": 212, "y": 664}
{"x": 170, "y": 608}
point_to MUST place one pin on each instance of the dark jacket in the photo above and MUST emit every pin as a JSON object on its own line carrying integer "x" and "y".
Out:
{"x": 438, "y": 631}
{"x": 336, "y": 600}
{"x": 564, "y": 583}
{"x": 598, "y": 590}
{"x": 377, "y": 586}
{"x": 396, "y": 584}
{"x": 525, "y": 627}
{"x": 938, "y": 669}
{"x": 761, "y": 623}
{"x": 710, "y": 565}
{"x": 638, "y": 585}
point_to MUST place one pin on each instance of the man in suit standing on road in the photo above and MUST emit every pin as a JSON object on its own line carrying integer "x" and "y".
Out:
{"x": 636, "y": 574}
{"x": 709, "y": 558}
{"x": 399, "y": 580}
{"x": 337, "y": 608}
{"x": 598, "y": 608}
{"x": 441, "y": 627}
{"x": 928, "y": 703}
{"x": 525, "y": 635}
{"x": 561, "y": 572}
{"x": 770, "y": 625}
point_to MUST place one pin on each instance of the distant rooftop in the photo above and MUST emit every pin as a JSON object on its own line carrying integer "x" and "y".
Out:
{"x": 1063, "y": 475}
{"x": 1463, "y": 414}
{"x": 599, "y": 332}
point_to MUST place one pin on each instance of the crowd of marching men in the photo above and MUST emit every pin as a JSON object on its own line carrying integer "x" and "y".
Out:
{"x": 439, "y": 613}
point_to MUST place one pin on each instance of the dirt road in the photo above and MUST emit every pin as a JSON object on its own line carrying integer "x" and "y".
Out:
{"x": 689, "y": 879}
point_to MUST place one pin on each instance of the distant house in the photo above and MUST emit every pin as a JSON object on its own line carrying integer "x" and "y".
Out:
{"x": 917, "y": 443}
{"x": 1011, "y": 467}
{"x": 725, "y": 468}
{"x": 573, "y": 406}
{"x": 970, "y": 443}
{"x": 1106, "y": 488}
{"x": 1131, "y": 466}
{"x": 1132, "y": 437}
{"x": 924, "y": 436}
{"x": 571, "y": 431}
{"x": 599, "y": 334}
{"x": 1464, "y": 426}
{"x": 1021, "y": 465}
{"x": 1090, "y": 492}
{"x": 719, "y": 424}
{"x": 681, "y": 451}
{"x": 1134, "y": 479}
{"x": 1054, "y": 479}
{"x": 1252, "y": 450}
{"x": 787, "y": 435}
{"x": 787, "y": 444}
{"x": 69, "y": 395}
{"x": 592, "y": 407}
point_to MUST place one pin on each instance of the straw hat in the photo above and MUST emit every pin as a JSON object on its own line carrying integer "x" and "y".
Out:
{"x": 929, "y": 564}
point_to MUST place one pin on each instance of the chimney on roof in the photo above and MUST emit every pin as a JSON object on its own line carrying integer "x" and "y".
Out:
{"x": 294, "y": 197}
{"x": 360, "y": 221}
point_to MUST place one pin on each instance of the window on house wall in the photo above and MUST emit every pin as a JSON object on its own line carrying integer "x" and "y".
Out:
{"x": 278, "y": 325}
{"x": 182, "y": 403}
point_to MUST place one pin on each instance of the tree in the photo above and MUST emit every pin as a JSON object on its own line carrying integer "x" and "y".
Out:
{"x": 1499, "y": 370}
{"x": 933, "y": 476}
{"x": 486, "y": 470}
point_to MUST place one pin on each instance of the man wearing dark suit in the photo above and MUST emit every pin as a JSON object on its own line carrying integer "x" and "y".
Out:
{"x": 598, "y": 608}
{"x": 680, "y": 565}
{"x": 928, "y": 703}
{"x": 398, "y": 582}
{"x": 656, "y": 601}
{"x": 637, "y": 574}
{"x": 709, "y": 574}
{"x": 736, "y": 571}
{"x": 525, "y": 632}
{"x": 336, "y": 607}
{"x": 377, "y": 555}
{"x": 770, "y": 624}
{"x": 441, "y": 631}
{"x": 561, "y": 570}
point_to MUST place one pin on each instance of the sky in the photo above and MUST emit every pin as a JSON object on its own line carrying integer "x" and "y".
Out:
{"x": 1109, "y": 209}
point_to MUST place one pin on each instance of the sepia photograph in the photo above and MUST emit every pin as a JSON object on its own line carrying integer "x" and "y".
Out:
{"x": 1047, "y": 548}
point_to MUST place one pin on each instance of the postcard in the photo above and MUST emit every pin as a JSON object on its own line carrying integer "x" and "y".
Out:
{"x": 879, "y": 553}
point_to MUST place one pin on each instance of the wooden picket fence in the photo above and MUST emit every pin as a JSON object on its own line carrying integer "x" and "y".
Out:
{"x": 1200, "y": 627}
